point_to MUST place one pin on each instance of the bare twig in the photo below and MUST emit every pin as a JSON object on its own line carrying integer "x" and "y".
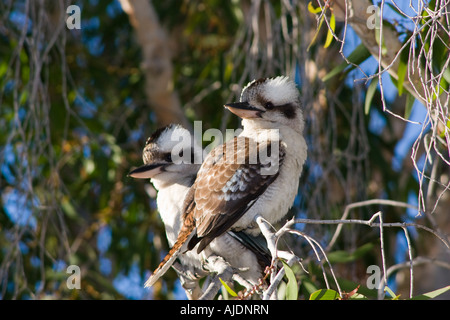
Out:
{"x": 373, "y": 224}
{"x": 272, "y": 240}
{"x": 363, "y": 204}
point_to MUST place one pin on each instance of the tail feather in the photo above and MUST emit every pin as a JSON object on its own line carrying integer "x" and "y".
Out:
{"x": 180, "y": 246}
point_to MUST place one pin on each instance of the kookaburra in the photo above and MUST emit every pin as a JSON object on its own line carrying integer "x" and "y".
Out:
{"x": 239, "y": 180}
{"x": 171, "y": 180}
{"x": 171, "y": 160}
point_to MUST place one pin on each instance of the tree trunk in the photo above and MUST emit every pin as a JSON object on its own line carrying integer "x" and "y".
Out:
{"x": 156, "y": 64}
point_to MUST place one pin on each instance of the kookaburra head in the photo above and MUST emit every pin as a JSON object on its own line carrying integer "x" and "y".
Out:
{"x": 169, "y": 153}
{"x": 270, "y": 103}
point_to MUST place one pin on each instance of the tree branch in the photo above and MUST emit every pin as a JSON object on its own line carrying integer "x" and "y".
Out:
{"x": 156, "y": 63}
{"x": 356, "y": 14}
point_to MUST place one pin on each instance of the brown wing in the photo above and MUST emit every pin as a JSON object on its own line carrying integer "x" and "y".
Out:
{"x": 228, "y": 184}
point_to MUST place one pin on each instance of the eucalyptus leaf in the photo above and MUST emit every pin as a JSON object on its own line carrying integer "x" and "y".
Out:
{"x": 227, "y": 287}
{"x": 324, "y": 294}
{"x": 358, "y": 55}
{"x": 292, "y": 287}
{"x": 330, "y": 34}
{"x": 432, "y": 294}
{"x": 369, "y": 94}
{"x": 401, "y": 71}
{"x": 409, "y": 104}
{"x": 312, "y": 9}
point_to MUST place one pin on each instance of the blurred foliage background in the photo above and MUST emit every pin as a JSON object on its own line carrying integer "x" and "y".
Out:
{"x": 76, "y": 108}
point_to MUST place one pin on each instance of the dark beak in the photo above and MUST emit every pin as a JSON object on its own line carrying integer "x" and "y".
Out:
{"x": 147, "y": 171}
{"x": 244, "y": 110}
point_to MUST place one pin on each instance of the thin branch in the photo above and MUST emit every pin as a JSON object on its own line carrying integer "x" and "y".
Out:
{"x": 364, "y": 204}
{"x": 411, "y": 272}
{"x": 416, "y": 262}
{"x": 373, "y": 224}
{"x": 272, "y": 240}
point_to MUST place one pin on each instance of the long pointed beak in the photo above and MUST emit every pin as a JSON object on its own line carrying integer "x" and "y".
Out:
{"x": 147, "y": 171}
{"x": 244, "y": 110}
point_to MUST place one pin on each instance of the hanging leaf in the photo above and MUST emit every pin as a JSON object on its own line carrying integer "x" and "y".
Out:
{"x": 312, "y": 9}
{"x": 440, "y": 87}
{"x": 229, "y": 290}
{"x": 359, "y": 55}
{"x": 401, "y": 71}
{"x": 369, "y": 94}
{"x": 330, "y": 34}
{"x": 378, "y": 34}
{"x": 391, "y": 293}
{"x": 316, "y": 34}
{"x": 445, "y": 130}
{"x": 292, "y": 287}
{"x": 315, "y": 11}
{"x": 446, "y": 75}
{"x": 408, "y": 106}
{"x": 344, "y": 256}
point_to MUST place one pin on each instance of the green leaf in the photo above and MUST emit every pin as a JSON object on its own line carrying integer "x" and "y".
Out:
{"x": 341, "y": 256}
{"x": 369, "y": 95}
{"x": 440, "y": 87}
{"x": 316, "y": 34}
{"x": 432, "y": 294}
{"x": 354, "y": 295}
{"x": 229, "y": 68}
{"x": 358, "y": 296}
{"x": 229, "y": 290}
{"x": 401, "y": 71}
{"x": 292, "y": 287}
{"x": 3, "y": 68}
{"x": 391, "y": 293}
{"x": 307, "y": 286}
{"x": 377, "y": 36}
{"x": 330, "y": 34}
{"x": 446, "y": 75}
{"x": 324, "y": 294}
{"x": 409, "y": 104}
{"x": 312, "y": 9}
{"x": 357, "y": 56}
{"x": 68, "y": 207}
{"x": 23, "y": 97}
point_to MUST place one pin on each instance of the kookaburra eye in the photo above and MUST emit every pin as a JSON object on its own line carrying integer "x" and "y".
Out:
{"x": 269, "y": 105}
{"x": 168, "y": 157}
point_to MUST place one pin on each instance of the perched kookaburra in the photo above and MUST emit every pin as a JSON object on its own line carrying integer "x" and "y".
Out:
{"x": 171, "y": 160}
{"x": 256, "y": 173}
{"x": 171, "y": 177}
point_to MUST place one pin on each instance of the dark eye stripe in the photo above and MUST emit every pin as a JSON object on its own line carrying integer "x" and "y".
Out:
{"x": 288, "y": 110}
